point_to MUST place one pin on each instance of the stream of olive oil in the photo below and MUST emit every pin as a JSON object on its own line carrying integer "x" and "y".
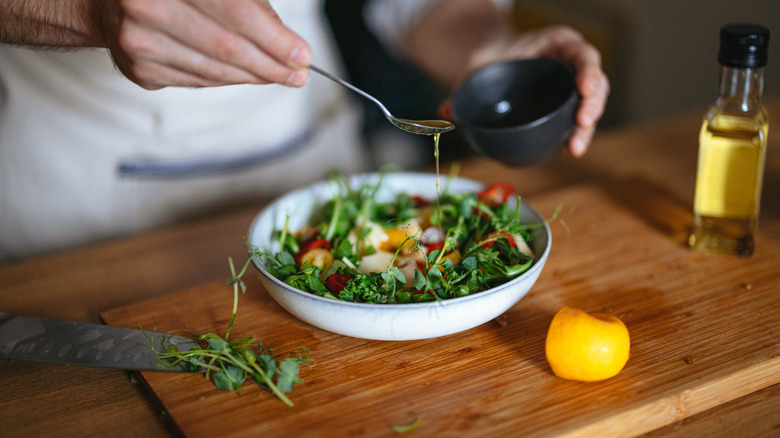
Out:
{"x": 438, "y": 187}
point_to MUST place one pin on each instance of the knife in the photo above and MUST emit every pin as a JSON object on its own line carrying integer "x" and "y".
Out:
{"x": 33, "y": 339}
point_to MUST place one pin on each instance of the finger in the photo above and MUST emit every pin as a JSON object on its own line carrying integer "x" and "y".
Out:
{"x": 202, "y": 34}
{"x": 590, "y": 111}
{"x": 593, "y": 100}
{"x": 219, "y": 40}
{"x": 592, "y": 84}
{"x": 154, "y": 76}
{"x": 579, "y": 142}
{"x": 281, "y": 51}
{"x": 147, "y": 50}
{"x": 568, "y": 45}
{"x": 162, "y": 75}
{"x": 257, "y": 21}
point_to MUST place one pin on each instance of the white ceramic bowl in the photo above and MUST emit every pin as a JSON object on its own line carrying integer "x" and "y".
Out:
{"x": 392, "y": 322}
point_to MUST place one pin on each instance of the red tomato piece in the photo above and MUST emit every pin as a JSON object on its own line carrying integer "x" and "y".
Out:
{"x": 419, "y": 201}
{"x": 317, "y": 243}
{"x": 496, "y": 193}
{"x": 495, "y": 235}
{"x": 436, "y": 246}
{"x": 337, "y": 282}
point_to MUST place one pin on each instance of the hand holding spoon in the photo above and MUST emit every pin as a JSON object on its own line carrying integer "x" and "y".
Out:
{"x": 422, "y": 127}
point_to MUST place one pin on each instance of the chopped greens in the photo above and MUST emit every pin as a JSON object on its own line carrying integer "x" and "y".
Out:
{"x": 405, "y": 250}
{"x": 406, "y": 428}
{"x": 229, "y": 363}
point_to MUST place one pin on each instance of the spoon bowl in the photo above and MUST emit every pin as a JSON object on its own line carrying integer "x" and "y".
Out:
{"x": 422, "y": 127}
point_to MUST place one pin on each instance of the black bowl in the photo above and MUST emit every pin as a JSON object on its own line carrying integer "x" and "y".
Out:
{"x": 518, "y": 112}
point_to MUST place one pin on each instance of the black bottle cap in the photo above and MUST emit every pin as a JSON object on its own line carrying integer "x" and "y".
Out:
{"x": 743, "y": 45}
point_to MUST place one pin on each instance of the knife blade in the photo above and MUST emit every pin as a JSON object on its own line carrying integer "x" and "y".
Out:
{"x": 32, "y": 339}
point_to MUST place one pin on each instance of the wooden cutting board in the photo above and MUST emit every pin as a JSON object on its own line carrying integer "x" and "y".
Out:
{"x": 704, "y": 331}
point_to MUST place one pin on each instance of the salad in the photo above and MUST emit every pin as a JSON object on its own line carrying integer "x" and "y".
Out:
{"x": 406, "y": 250}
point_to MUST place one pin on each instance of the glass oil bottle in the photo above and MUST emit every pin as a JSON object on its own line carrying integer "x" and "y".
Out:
{"x": 732, "y": 147}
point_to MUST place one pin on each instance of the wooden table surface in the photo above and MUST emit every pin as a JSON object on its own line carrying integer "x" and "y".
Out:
{"x": 40, "y": 399}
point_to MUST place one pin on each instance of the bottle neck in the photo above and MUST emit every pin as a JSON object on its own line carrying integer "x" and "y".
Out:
{"x": 741, "y": 87}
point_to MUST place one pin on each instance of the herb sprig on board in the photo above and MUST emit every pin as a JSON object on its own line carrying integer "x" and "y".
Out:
{"x": 229, "y": 363}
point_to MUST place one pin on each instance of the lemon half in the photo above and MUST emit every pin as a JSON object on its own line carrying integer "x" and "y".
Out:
{"x": 586, "y": 347}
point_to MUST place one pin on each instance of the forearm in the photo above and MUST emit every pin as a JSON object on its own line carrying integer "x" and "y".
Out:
{"x": 51, "y": 23}
{"x": 453, "y": 38}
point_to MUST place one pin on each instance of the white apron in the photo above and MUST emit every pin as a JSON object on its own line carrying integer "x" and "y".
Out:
{"x": 86, "y": 155}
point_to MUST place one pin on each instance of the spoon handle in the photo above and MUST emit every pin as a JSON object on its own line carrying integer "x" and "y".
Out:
{"x": 351, "y": 87}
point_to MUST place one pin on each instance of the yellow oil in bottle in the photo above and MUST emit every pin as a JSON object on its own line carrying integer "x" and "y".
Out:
{"x": 732, "y": 150}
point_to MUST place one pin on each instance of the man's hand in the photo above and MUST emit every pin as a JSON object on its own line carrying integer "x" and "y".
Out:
{"x": 160, "y": 43}
{"x": 199, "y": 43}
{"x": 451, "y": 42}
{"x": 567, "y": 45}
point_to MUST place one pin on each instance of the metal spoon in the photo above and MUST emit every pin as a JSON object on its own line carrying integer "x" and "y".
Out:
{"x": 423, "y": 127}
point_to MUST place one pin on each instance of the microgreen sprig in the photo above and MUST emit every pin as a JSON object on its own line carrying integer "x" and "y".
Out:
{"x": 229, "y": 363}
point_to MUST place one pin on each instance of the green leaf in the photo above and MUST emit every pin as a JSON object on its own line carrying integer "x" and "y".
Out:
{"x": 222, "y": 381}
{"x": 268, "y": 364}
{"x": 231, "y": 378}
{"x": 398, "y": 274}
{"x": 285, "y": 258}
{"x": 515, "y": 270}
{"x": 470, "y": 263}
{"x": 402, "y": 429}
{"x": 236, "y": 375}
{"x": 403, "y": 297}
{"x": 460, "y": 291}
{"x": 288, "y": 371}
{"x": 388, "y": 277}
{"x": 421, "y": 298}
{"x": 420, "y": 281}
{"x": 316, "y": 285}
{"x": 249, "y": 355}
{"x": 218, "y": 344}
{"x": 303, "y": 282}
{"x": 343, "y": 249}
